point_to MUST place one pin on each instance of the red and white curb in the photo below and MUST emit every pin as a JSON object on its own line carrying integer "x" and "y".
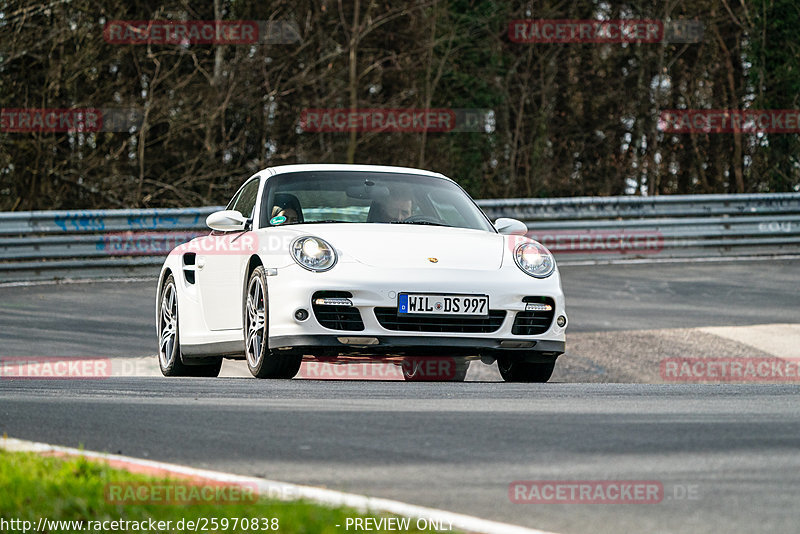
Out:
{"x": 278, "y": 490}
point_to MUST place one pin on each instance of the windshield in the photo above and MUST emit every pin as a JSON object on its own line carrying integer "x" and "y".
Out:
{"x": 369, "y": 197}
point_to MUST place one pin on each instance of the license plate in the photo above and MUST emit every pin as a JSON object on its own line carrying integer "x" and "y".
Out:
{"x": 431, "y": 304}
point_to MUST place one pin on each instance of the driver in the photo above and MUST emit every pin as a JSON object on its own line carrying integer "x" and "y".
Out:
{"x": 288, "y": 213}
{"x": 397, "y": 208}
{"x": 286, "y": 205}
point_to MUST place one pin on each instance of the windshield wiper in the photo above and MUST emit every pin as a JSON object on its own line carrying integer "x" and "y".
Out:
{"x": 323, "y": 221}
{"x": 427, "y": 223}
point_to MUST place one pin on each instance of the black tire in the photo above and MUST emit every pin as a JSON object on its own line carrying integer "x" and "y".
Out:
{"x": 262, "y": 362}
{"x": 412, "y": 372}
{"x": 519, "y": 371}
{"x": 170, "y": 360}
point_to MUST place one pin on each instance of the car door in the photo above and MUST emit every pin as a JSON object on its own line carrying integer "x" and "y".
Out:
{"x": 221, "y": 261}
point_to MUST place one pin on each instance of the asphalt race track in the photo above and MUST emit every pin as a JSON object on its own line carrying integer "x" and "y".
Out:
{"x": 727, "y": 455}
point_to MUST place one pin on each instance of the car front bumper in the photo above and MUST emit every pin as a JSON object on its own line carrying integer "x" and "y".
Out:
{"x": 291, "y": 289}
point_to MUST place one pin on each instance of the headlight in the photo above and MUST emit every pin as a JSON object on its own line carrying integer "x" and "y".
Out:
{"x": 535, "y": 260}
{"x": 313, "y": 253}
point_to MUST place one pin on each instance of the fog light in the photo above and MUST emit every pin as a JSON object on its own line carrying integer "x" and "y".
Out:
{"x": 561, "y": 321}
{"x": 537, "y": 306}
{"x": 301, "y": 314}
{"x": 333, "y": 301}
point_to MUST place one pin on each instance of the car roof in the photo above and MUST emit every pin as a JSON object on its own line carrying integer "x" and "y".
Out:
{"x": 283, "y": 169}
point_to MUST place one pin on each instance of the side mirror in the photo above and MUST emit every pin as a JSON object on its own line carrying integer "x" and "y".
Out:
{"x": 226, "y": 221}
{"x": 508, "y": 226}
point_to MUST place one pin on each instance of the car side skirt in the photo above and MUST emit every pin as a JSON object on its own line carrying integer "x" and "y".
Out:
{"x": 220, "y": 348}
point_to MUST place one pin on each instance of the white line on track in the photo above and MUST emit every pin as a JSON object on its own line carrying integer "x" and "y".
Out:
{"x": 280, "y": 490}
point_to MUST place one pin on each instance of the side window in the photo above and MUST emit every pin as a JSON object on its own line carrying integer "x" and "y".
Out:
{"x": 245, "y": 201}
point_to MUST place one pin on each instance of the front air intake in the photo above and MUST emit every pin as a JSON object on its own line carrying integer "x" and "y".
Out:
{"x": 334, "y": 310}
{"x": 537, "y": 317}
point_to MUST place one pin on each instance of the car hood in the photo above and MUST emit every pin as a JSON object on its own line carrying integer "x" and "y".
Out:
{"x": 412, "y": 246}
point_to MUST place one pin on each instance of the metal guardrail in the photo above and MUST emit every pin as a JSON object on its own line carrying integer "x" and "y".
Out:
{"x": 47, "y": 245}
{"x": 41, "y": 245}
{"x": 679, "y": 226}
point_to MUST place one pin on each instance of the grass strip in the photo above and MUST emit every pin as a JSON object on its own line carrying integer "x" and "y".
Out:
{"x": 68, "y": 489}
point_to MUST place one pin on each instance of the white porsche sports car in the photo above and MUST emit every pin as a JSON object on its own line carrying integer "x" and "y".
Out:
{"x": 336, "y": 262}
